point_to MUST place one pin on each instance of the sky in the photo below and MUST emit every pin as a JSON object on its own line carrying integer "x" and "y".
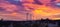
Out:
{"x": 23, "y": 10}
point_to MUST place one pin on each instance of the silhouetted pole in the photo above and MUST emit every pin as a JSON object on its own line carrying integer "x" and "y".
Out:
{"x": 28, "y": 16}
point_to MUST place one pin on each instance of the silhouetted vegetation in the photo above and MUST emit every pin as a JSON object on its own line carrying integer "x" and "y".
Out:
{"x": 36, "y": 23}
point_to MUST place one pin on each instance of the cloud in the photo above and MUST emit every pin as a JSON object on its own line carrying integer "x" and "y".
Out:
{"x": 17, "y": 10}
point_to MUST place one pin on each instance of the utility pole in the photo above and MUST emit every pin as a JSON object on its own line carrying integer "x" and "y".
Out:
{"x": 28, "y": 16}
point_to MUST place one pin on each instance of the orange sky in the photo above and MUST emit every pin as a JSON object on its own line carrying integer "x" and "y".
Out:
{"x": 37, "y": 11}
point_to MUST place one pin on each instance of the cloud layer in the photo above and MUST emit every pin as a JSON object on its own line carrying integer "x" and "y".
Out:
{"x": 17, "y": 10}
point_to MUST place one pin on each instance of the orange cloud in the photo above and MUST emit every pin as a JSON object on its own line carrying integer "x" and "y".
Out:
{"x": 37, "y": 11}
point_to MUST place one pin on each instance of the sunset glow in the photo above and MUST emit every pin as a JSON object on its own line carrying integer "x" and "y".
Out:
{"x": 16, "y": 10}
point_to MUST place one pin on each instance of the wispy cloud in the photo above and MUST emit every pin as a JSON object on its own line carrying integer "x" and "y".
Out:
{"x": 17, "y": 10}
